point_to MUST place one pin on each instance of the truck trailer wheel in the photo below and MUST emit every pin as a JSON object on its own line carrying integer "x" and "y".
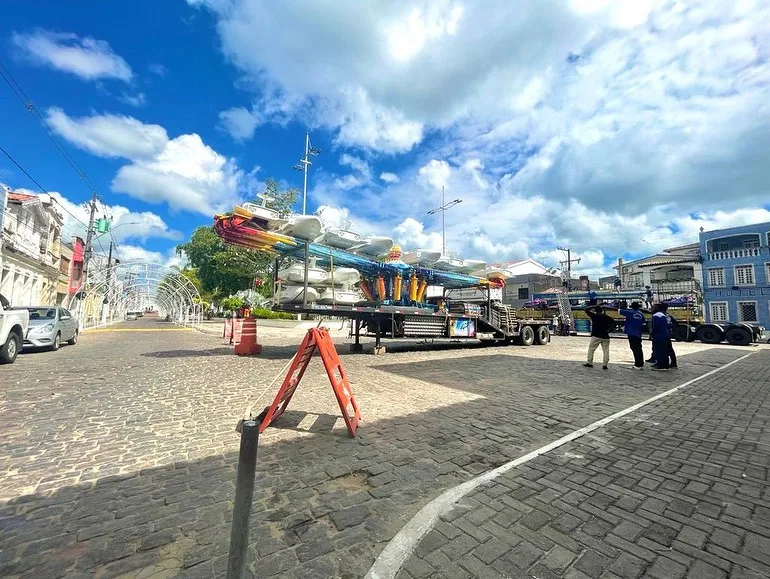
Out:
{"x": 683, "y": 333}
{"x": 527, "y": 336}
{"x": 738, "y": 337}
{"x": 710, "y": 335}
{"x": 542, "y": 336}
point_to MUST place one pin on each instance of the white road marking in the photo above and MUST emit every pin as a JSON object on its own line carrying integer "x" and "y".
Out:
{"x": 400, "y": 547}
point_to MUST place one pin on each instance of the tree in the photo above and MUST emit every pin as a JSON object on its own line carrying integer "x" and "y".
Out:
{"x": 222, "y": 269}
{"x": 281, "y": 201}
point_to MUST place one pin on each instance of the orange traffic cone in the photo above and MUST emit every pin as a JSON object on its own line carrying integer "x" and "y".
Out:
{"x": 248, "y": 345}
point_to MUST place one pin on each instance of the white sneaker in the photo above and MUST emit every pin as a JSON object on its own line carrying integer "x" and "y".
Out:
{"x": 637, "y": 367}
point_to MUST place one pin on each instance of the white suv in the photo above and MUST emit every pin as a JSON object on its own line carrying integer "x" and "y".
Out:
{"x": 13, "y": 329}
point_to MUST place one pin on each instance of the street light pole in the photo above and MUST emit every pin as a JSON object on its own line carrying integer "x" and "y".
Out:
{"x": 304, "y": 166}
{"x": 443, "y": 209}
{"x": 305, "y": 163}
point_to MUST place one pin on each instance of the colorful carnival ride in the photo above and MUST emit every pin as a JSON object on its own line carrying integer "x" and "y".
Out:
{"x": 384, "y": 294}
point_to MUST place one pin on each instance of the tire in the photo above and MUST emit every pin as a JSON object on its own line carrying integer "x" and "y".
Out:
{"x": 56, "y": 342}
{"x": 74, "y": 339}
{"x": 738, "y": 337}
{"x": 10, "y": 349}
{"x": 710, "y": 335}
{"x": 527, "y": 336}
{"x": 683, "y": 333}
{"x": 542, "y": 335}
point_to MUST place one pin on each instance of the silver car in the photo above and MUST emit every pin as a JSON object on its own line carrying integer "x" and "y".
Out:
{"x": 49, "y": 326}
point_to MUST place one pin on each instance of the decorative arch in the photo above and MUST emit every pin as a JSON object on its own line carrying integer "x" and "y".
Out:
{"x": 135, "y": 286}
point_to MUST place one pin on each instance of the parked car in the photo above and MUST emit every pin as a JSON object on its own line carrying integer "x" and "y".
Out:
{"x": 13, "y": 327}
{"x": 49, "y": 326}
{"x": 130, "y": 316}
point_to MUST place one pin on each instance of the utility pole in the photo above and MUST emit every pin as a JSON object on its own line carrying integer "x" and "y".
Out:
{"x": 568, "y": 262}
{"x": 106, "y": 300}
{"x": 89, "y": 236}
{"x": 443, "y": 209}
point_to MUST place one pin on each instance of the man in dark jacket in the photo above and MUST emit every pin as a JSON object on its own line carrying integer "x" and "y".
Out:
{"x": 670, "y": 345}
{"x": 601, "y": 324}
{"x": 661, "y": 338}
{"x": 633, "y": 328}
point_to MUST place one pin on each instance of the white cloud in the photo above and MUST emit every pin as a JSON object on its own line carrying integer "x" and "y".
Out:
{"x": 389, "y": 177}
{"x": 131, "y": 253}
{"x": 110, "y": 135}
{"x": 157, "y": 69}
{"x": 187, "y": 174}
{"x": 584, "y": 123}
{"x": 136, "y": 100}
{"x": 126, "y": 224}
{"x": 411, "y": 234}
{"x": 86, "y": 57}
{"x": 183, "y": 172}
{"x": 435, "y": 173}
{"x": 240, "y": 122}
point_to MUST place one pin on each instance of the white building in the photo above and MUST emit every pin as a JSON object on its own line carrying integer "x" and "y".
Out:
{"x": 31, "y": 249}
{"x": 670, "y": 274}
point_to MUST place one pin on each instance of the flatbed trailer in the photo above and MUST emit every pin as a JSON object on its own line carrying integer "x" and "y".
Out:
{"x": 492, "y": 322}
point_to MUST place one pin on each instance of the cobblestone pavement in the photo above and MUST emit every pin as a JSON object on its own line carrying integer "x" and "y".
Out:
{"x": 679, "y": 488}
{"x": 119, "y": 454}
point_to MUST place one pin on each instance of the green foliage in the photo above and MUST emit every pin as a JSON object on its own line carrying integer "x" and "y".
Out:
{"x": 265, "y": 314}
{"x": 231, "y": 303}
{"x": 281, "y": 201}
{"x": 222, "y": 269}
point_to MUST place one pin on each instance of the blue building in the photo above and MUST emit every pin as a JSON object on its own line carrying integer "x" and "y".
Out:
{"x": 736, "y": 274}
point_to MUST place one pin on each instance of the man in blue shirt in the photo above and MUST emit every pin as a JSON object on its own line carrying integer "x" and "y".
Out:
{"x": 591, "y": 297}
{"x": 661, "y": 338}
{"x": 633, "y": 328}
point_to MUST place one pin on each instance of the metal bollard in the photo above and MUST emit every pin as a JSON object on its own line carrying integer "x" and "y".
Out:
{"x": 244, "y": 493}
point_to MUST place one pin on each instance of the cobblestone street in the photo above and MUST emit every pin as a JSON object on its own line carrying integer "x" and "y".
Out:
{"x": 119, "y": 457}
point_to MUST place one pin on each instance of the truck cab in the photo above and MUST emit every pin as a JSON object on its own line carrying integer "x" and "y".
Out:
{"x": 14, "y": 324}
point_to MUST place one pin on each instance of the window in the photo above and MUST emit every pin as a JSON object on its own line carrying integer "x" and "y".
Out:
{"x": 751, "y": 243}
{"x": 717, "y": 277}
{"x": 718, "y": 311}
{"x": 744, "y": 275}
{"x": 767, "y": 274}
{"x": 747, "y": 311}
{"x": 768, "y": 237}
{"x": 523, "y": 293}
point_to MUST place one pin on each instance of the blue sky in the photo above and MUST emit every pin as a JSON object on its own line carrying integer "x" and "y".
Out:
{"x": 612, "y": 128}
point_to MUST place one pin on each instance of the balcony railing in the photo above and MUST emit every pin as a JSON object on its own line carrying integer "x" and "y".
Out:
{"x": 734, "y": 253}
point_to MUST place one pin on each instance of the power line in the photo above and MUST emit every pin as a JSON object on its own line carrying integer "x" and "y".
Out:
{"x": 30, "y": 107}
{"x": 39, "y": 186}
{"x": 23, "y": 170}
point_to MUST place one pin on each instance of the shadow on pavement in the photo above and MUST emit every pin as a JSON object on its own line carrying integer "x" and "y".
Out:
{"x": 324, "y": 505}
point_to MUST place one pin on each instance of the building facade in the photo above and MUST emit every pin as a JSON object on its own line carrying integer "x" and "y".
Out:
{"x": 673, "y": 273}
{"x": 736, "y": 274}
{"x": 31, "y": 250}
{"x": 65, "y": 271}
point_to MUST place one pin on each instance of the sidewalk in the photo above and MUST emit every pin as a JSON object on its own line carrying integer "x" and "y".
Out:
{"x": 678, "y": 488}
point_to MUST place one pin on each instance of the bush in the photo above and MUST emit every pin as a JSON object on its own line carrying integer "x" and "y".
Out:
{"x": 265, "y": 314}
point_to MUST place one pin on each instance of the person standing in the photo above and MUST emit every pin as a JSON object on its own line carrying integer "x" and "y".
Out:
{"x": 633, "y": 328}
{"x": 618, "y": 284}
{"x": 648, "y": 296}
{"x": 660, "y": 336}
{"x": 670, "y": 346}
{"x": 601, "y": 324}
{"x": 591, "y": 297}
